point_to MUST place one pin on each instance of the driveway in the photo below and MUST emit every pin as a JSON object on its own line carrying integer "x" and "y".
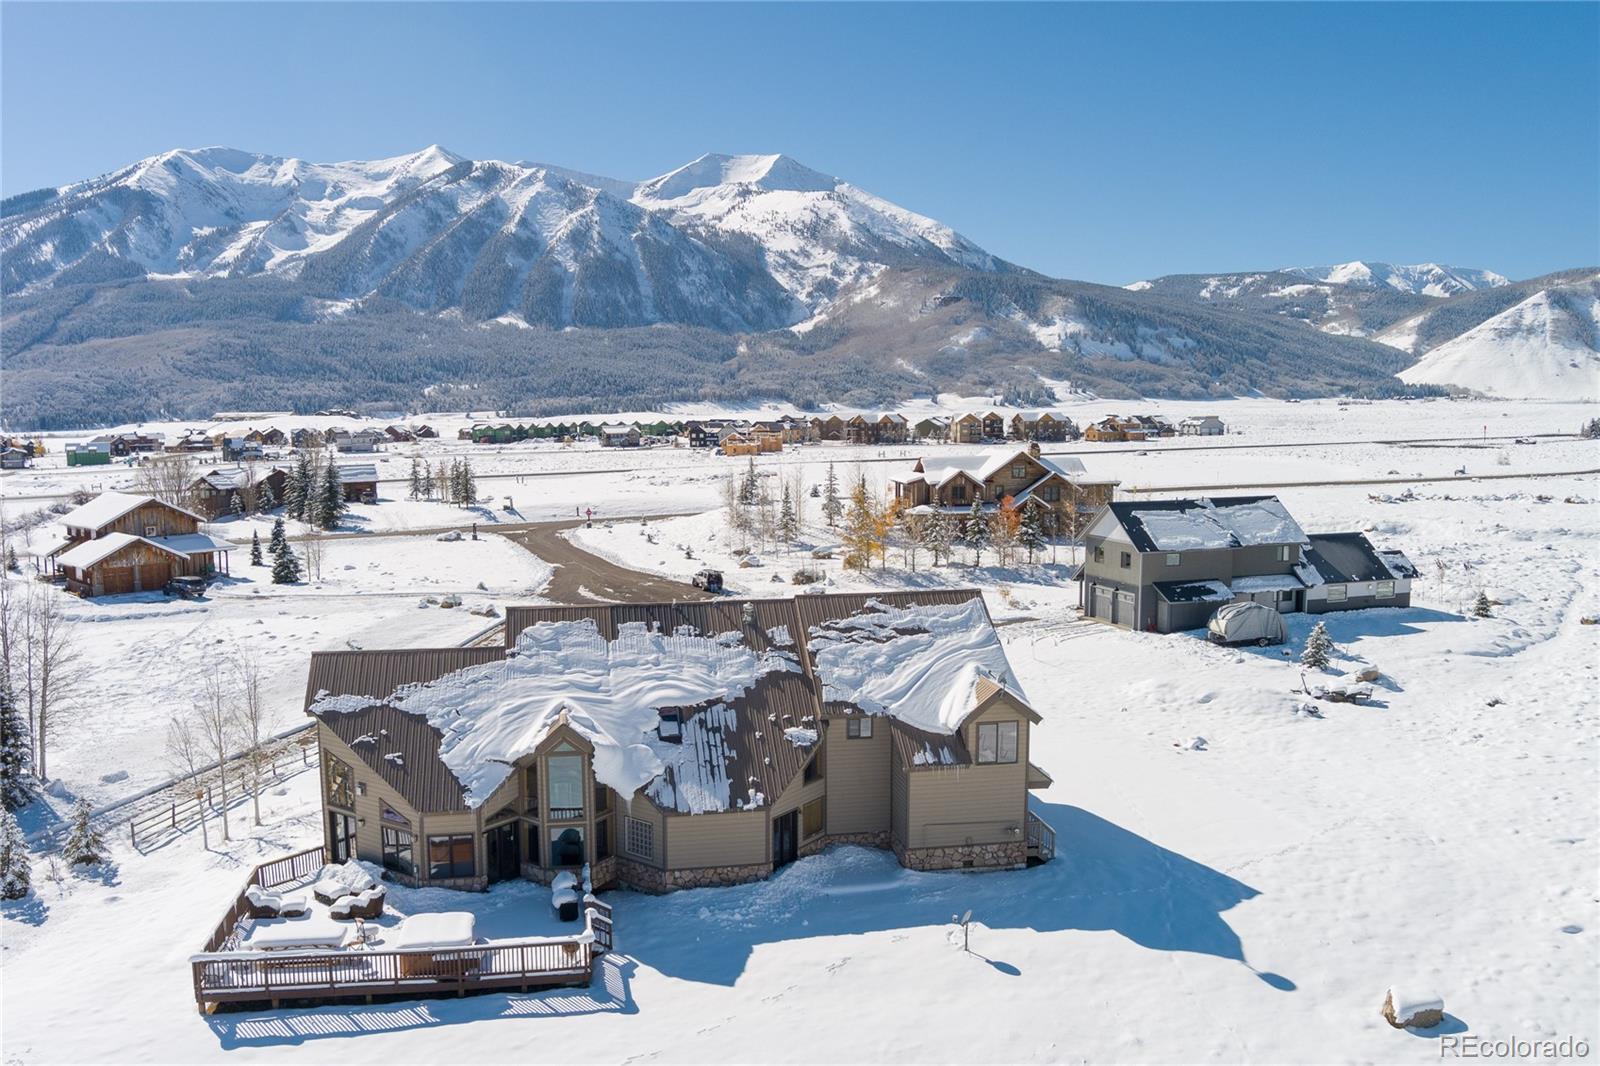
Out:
{"x": 582, "y": 577}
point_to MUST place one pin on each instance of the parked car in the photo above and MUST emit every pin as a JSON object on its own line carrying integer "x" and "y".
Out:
{"x": 1246, "y": 623}
{"x": 710, "y": 580}
{"x": 188, "y": 588}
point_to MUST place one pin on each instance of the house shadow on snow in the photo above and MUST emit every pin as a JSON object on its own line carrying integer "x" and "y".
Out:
{"x": 1103, "y": 878}
{"x": 609, "y": 993}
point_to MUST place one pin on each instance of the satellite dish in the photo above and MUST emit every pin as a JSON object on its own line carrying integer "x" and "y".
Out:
{"x": 967, "y": 917}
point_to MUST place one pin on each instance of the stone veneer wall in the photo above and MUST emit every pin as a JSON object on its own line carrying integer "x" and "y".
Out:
{"x": 649, "y": 879}
{"x": 981, "y": 856}
{"x": 820, "y": 844}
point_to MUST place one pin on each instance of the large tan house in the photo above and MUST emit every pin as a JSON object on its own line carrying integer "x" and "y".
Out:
{"x": 679, "y": 745}
{"x": 119, "y": 542}
{"x": 951, "y": 483}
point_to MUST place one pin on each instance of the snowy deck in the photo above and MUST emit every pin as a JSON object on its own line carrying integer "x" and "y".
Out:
{"x": 422, "y": 952}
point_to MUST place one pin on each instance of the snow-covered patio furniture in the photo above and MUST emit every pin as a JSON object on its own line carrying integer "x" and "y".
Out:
{"x": 564, "y": 896}
{"x": 265, "y": 903}
{"x": 432, "y": 942}
{"x": 290, "y": 934}
{"x": 338, "y": 880}
{"x": 368, "y": 904}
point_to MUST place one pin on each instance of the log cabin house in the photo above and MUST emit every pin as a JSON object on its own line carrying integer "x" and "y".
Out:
{"x": 679, "y": 745}
{"x": 119, "y": 543}
{"x": 234, "y": 490}
{"x": 951, "y": 483}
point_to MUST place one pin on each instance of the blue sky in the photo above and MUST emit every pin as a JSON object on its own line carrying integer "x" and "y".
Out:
{"x": 1102, "y": 142}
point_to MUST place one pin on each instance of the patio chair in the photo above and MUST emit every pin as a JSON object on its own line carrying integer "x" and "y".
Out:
{"x": 368, "y": 905}
{"x": 264, "y": 903}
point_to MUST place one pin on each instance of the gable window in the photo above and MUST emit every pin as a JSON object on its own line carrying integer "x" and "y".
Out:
{"x": 339, "y": 783}
{"x": 1127, "y": 560}
{"x": 1286, "y": 553}
{"x": 1019, "y": 470}
{"x": 531, "y": 778}
{"x": 566, "y": 786}
{"x": 858, "y": 728}
{"x": 639, "y": 838}
{"x": 1173, "y": 558}
{"x": 1338, "y": 593}
{"x": 450, "y": 857}
{"x": 149, "y": 531}
{"x": 1099, "y": 555}
{"x": 398, "y": 849}
{"x": 671, "y": 727}
{"x": 1384, "y": 590}
{"x": 997, "y": 742}
{"x": 1052, "y": 493}
{"x": 958, "y": 493}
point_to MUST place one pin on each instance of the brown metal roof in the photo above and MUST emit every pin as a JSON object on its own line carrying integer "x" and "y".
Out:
{"x": 757, "y": 753}
{"x": 921, "y": 750}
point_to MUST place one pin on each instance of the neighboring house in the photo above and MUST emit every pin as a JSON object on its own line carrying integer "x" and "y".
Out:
{"x": 620, "y": 436}
{"x": 893, "y": 429}
{"x": 399, "y": 434}
{"x": 1167, "y": 565}
{"x": 90, "y": 453}
{"x": 736, "y": 443}
{"x": 236, "y": 449}
{"x": 119, "y": 542}
{"x": 1041, "y": 425}
{"x": 732, "y": 739}
{"x": 934, "y": 427}
{"x": 953, "y": 482}
{"x": 858, "y": 429}
{"x": 359, "y": 481}
{"x": 1201, "y": 426}
{"x": 994, "y": 426}
{"x": 1115, "y": 428}
{"x": 193, "y": 441}
{"x": 274, "y": 438}
{"x": 307, "y": 438}
{"x": 830, "y": 428}
{"x": 13, "y": 458}
{"x": 1352, "y": 574}
{"x": 235, "y": 490}
{"x": 1155, "y": 426}
{"x": 124, "y": 444}
{"x": 967, "y": 429}
{"x": 699, "y": 436}
{"x": 424, "y": 432}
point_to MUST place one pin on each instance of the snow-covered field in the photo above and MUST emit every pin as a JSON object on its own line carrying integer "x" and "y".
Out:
{"x": 1245, "y": 899}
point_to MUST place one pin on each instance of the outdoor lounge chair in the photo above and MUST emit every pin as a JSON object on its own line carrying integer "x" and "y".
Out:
{"x": 368, "y": 904}
{"x": 267, "y": 904}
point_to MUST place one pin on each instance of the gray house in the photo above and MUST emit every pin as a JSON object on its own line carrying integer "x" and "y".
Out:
{"x": 1167, "y": 565}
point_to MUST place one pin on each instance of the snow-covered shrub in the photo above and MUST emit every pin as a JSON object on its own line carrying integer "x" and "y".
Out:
{"x": 1481, "y": 607}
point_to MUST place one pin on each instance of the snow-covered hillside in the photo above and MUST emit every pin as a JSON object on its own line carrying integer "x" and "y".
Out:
{"x": 1421, "y": 279}
{"x": 729, "y": 242}
{"x": 1547, "y": 346}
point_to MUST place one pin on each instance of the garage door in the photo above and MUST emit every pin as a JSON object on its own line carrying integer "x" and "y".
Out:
{"x": 116, "y": 579}
{"x": 1102, "y": 603}
{"x": 153, "y": 576}
{"x": 1124, "y": 616}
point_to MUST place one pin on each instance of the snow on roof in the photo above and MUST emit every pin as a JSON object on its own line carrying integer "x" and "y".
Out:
{"x": 237, "y": 477}
{"x": 939, "y": 469}
{"x": 611, "y": 692}
{"x": 110, "y": 506}
{"x": 92, "y": 551}
{"x": 357, "y": 472}
{"x": 1204, "y": 524}
{"x": 192, "y": 543}
{"x": 1268, "y": 583}
{"x": 919, "y": 664}
{"x": 1397, "y": 563}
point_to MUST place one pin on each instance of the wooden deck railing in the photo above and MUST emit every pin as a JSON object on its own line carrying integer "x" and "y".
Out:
{"x": 231, "y": 976}
{"x": 1041, "y": 838}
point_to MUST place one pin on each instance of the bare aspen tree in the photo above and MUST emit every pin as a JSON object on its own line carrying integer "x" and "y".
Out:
{"x": 251, "y": 716}
{"x": 49, "y": 671}
{"x": 214, "y": 715}
{"x": 313, "y": 547}
{"x": 186, "y": 754}
{"x": 169, "y": 478}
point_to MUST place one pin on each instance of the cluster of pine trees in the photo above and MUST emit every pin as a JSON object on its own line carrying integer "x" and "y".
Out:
{"x": 314, "y": 492}
{"x": 453, "y": 482}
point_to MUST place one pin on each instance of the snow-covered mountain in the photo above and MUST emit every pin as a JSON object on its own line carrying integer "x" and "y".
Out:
{"x": 728, "y": 242}
{"x": 1421, "y": 279}
{"x": 1547, "y": 346}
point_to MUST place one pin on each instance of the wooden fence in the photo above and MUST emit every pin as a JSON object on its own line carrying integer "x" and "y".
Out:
{"x": 185, "y": 812}
{"x": 231, "y": 976}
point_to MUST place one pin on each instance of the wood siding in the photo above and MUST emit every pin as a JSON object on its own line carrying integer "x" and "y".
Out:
{"x": 978, "y": 804}
{"x": 858, "y": 778}
{"x": 737, "y": 838}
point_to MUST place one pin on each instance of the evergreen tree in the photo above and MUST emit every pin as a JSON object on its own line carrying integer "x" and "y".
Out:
{"x": 469, "y": 484}
{"x": 15, "y": 876}
{"x": 750, "y": 487}
{"x": 832, "y": 506}
{"x": 1481, "y": 606}
{"x": 255, "y": 548}
{"x": 278, "y": 543}
{"x": 285, "y": 567}
{"x": 84, "y": 844}
{"x": 238, "y": 505}
{"x": 976, "y": 535}
{"x": 429, "y": 482}
{"x": 331, "y": 506}
{"x": 265, "y": 500}
{"x": 938, "y": 535}
{"x": 16, "y": 752}
{"x": 1318, "y": 647}
{"x": 11, "y": 560}
{"x": 788, "y": 525}
{"x": 298, "y": 486}
{"x": 416, "y": 478}
{"x": 452, "y": 482}
{"x": 1031, "y": 533}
